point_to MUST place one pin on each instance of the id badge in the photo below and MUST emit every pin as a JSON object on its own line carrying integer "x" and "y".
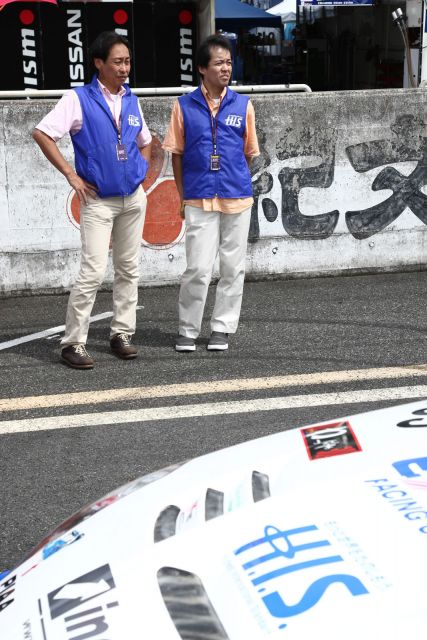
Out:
{"x": 215, "y": 163}
{"x": 121, "y": 152}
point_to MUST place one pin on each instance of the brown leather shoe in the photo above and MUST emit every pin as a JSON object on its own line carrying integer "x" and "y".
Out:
{"x": 121, "y": 346}
{"x": 76, "y": 356}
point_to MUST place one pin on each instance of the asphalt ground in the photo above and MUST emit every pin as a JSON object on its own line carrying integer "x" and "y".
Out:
{"x": 292, "y": 337}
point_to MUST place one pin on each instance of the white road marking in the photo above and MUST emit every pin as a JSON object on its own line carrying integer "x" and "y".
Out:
{"x": 29, "y": 338}
{"x": 214, "y": 386}
{"x": 211, "y": 409}
{"x": 50, "y": 332}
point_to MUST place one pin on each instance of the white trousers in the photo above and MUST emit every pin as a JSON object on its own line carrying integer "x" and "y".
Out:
{"x": 207, "y": 234}
{"x": 121, "y": 220}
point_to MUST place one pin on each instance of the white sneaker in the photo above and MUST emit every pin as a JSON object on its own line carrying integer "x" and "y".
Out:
{"x": 218, "y": 341}
{"x": 185, "y": 344}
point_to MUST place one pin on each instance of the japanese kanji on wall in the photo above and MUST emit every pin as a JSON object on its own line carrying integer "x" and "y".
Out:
{"x": 369, "y": 184}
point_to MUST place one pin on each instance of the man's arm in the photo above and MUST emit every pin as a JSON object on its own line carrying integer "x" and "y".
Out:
{"x": 50, "y": 150}
{"x": 146, "y": 152}
{"x": 251, "y": 148}
{"x": 177, "y": 174}
{"x": 174, "y": 144}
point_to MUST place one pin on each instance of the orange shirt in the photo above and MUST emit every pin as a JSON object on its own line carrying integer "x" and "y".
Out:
{"x": 174, "y": 142}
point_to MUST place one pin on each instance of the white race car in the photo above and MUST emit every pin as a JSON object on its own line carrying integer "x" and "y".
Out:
{"x": 318, "y": 531}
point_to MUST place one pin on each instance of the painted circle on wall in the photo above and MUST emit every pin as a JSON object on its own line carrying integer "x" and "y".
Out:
{"x": 163, "y": 227}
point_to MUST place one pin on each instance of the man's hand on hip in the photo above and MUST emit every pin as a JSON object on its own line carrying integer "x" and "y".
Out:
{"x": 83, "y": 189}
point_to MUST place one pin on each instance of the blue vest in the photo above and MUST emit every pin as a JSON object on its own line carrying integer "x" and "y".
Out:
{"x": 233, "y": 180}
{"x": 95, "y": 145}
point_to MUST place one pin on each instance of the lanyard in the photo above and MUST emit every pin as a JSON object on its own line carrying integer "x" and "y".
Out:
{"x": 120, "y": 148}
{"x": 118, "y": 122}
{"x": 214, "y": 127}
{"x": 119, "y": 129}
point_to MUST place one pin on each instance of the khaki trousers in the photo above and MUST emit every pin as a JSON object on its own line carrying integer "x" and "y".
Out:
{"x": 209, "y": 234}
{"x": 121, "y": 220}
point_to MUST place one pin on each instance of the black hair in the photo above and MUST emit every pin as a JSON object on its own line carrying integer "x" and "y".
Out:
{"x": 204, "y": 51}
{"x": 103, "y": 43}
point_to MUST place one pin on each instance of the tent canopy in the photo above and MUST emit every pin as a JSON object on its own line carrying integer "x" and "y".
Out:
{"x": 286, "y": 10}
{"x": 232, "y": 15}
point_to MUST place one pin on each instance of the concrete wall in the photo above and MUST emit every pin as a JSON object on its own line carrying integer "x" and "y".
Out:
{"x": 341, "y": 185}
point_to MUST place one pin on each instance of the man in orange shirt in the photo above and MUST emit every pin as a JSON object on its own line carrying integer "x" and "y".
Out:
{"x": 212, "y": 139}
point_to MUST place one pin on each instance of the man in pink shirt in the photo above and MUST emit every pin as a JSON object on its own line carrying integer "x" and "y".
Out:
{"x": 112, "y": 149}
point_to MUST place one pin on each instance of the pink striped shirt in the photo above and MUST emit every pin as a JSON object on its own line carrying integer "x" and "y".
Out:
{"x": 66, "y": 116}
